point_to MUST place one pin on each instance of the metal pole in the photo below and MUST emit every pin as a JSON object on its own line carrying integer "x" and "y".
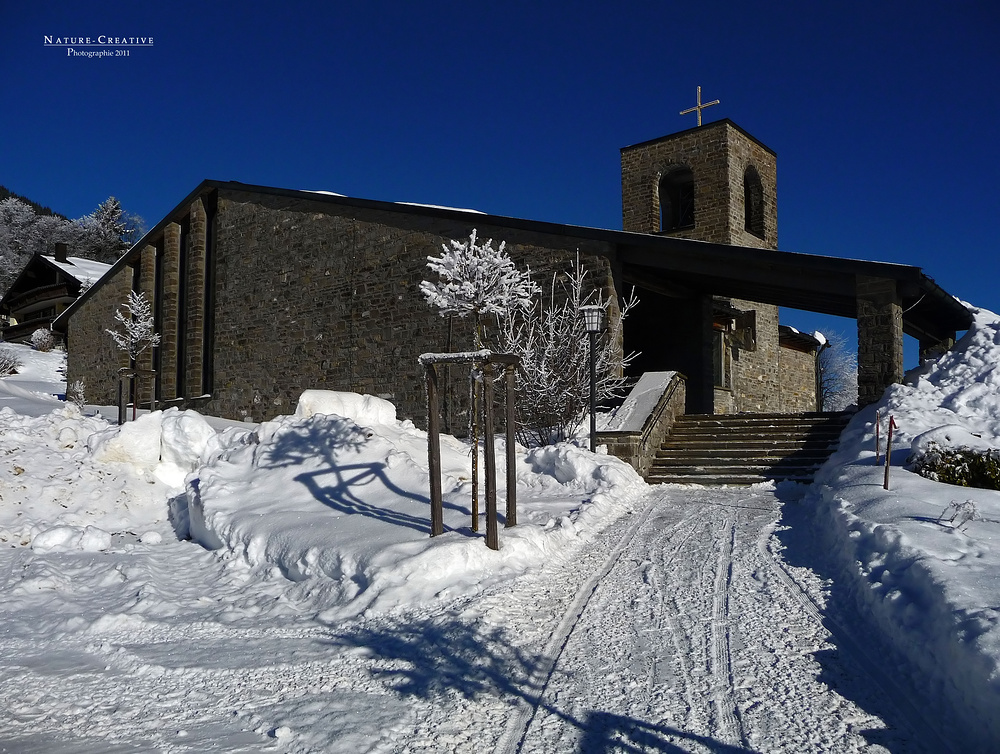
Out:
{"x": 593, "y": 394}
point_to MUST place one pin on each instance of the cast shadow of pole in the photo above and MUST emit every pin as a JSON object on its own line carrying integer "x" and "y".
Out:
{"x": 328, "y": 438}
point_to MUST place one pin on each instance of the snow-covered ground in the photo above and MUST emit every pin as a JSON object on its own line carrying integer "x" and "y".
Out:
{"x": 310, "y": 611}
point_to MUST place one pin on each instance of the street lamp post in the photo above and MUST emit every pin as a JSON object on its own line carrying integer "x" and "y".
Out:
{"x": 593, "y": 324}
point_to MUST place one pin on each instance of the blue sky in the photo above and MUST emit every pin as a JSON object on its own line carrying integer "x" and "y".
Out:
{"x": 883, "y": 114}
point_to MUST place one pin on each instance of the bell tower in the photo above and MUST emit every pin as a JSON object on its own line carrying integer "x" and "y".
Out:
{"x": 714, "y": 183}
{"x": 709, "y": 183}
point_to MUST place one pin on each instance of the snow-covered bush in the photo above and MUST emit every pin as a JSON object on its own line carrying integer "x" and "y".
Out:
{"x": 137, "y": 326}
{"x": 9, "y": 362}
{"x": 42, "y": 340}
{"x": 553, "y": 381}
{"x": 77, "y": 394}
{"x": 965, "y": 467}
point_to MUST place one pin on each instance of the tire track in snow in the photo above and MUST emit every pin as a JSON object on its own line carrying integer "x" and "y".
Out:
{"x": 730, "y": 728}
{"x": 663, "y": 620}
{"x": 517, "y": 726}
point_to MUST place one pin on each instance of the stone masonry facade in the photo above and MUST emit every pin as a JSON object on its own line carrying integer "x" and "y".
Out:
{"x": 265, "y": 296}
{"x": 798, "y": 380}
{"x": 718, "y": 155}
{"x": 93, "y": 356}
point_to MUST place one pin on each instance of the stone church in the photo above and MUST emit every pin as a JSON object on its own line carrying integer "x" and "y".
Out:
{"x": 260, "y": 293}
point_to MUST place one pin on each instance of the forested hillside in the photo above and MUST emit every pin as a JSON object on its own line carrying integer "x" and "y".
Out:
{"x": 27, "y": 227}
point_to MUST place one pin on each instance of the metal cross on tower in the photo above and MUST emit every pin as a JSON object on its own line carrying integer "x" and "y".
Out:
{"x": 699, "y": 107}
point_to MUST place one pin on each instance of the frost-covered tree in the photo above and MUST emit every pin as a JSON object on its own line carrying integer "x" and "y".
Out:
{"x": 77, "y": 394}
{"x": 477, "y": 279}
{"x": 136, "y": 334}
{"x": 102, "y": 235}
{"x": 837, "y": 373}
{"x": 553, "y": 381}
{"x": 108, "y": 232}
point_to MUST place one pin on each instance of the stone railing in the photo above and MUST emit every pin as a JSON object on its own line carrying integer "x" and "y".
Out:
{"x": 639, "y": 427}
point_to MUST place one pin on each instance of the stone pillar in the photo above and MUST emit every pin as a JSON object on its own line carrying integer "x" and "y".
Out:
{"x": 194, "y": 350}
{"x": 880, "y": 337}
{"x": 931, "y": 349}
{"x": 147, "y": 286}
{"x": 170, "y": 287}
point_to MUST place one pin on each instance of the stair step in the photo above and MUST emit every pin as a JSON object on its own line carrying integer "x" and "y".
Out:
{"x": 742, "y": 449}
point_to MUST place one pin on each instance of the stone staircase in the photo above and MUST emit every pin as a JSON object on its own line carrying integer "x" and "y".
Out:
{"x": 743, "y": 449}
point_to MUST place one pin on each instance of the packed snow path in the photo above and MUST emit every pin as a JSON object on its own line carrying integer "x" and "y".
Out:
{"x": 677, "y": 629}
{"x": 695, "y": 636}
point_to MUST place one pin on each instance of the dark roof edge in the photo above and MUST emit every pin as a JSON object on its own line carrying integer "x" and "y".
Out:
{"x": 59, "y": 323}
{"x": 928, "y": 284}
{"x": 614, "y": 237}
{"x": 713, "y": 124}
{"x": 791, "y": 335}
{"x": 38, "y": 255}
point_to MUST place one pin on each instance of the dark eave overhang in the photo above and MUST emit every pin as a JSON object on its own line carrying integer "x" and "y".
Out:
{"x": 675, "y": 266}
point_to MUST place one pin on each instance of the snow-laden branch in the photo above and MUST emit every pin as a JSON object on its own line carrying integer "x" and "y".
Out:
{"x": 136, "y": 319}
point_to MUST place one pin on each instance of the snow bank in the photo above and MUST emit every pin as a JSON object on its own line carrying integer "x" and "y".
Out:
{"x": 932, "y": 590}
{"x": 69, "y": 482}
{"x": 339, "y": 505}
{"x": 364, "y": 409}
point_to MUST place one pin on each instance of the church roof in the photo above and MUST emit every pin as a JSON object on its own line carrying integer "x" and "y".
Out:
{"x": 672, "y": 265}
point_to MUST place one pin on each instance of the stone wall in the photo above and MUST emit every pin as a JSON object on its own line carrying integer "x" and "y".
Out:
{"x": 718, "y": 154}
{"x": 756, "y": 374}
{"x": 880, "y": 337}
{"x": 308, "y": 299}
{"x": 93, "y": 356}
{"x": 309, "y": 295}
{"x": 638, "y": 447}
{"x": 798, "y": 380}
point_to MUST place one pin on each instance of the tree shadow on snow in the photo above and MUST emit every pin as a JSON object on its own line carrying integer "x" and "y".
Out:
{"x": 843, "y": 666}
{"x": 437, "y": 658}
{"x": 339, "y": 485}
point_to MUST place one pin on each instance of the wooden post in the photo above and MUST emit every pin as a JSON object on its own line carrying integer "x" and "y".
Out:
{"x": 121, "y": 396}
{"x": 888, "y": 451}
{"x": 434, "y": 451}
{"x": 474, "y": 431}
{"x": 511, "y": 518}
{"x": 487, "y": 360}
{"x": 489, "y": 459}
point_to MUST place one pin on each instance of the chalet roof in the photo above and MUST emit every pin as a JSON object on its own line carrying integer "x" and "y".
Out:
{"x": 674, "y": 266}
{"x": 86, "y": 272}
